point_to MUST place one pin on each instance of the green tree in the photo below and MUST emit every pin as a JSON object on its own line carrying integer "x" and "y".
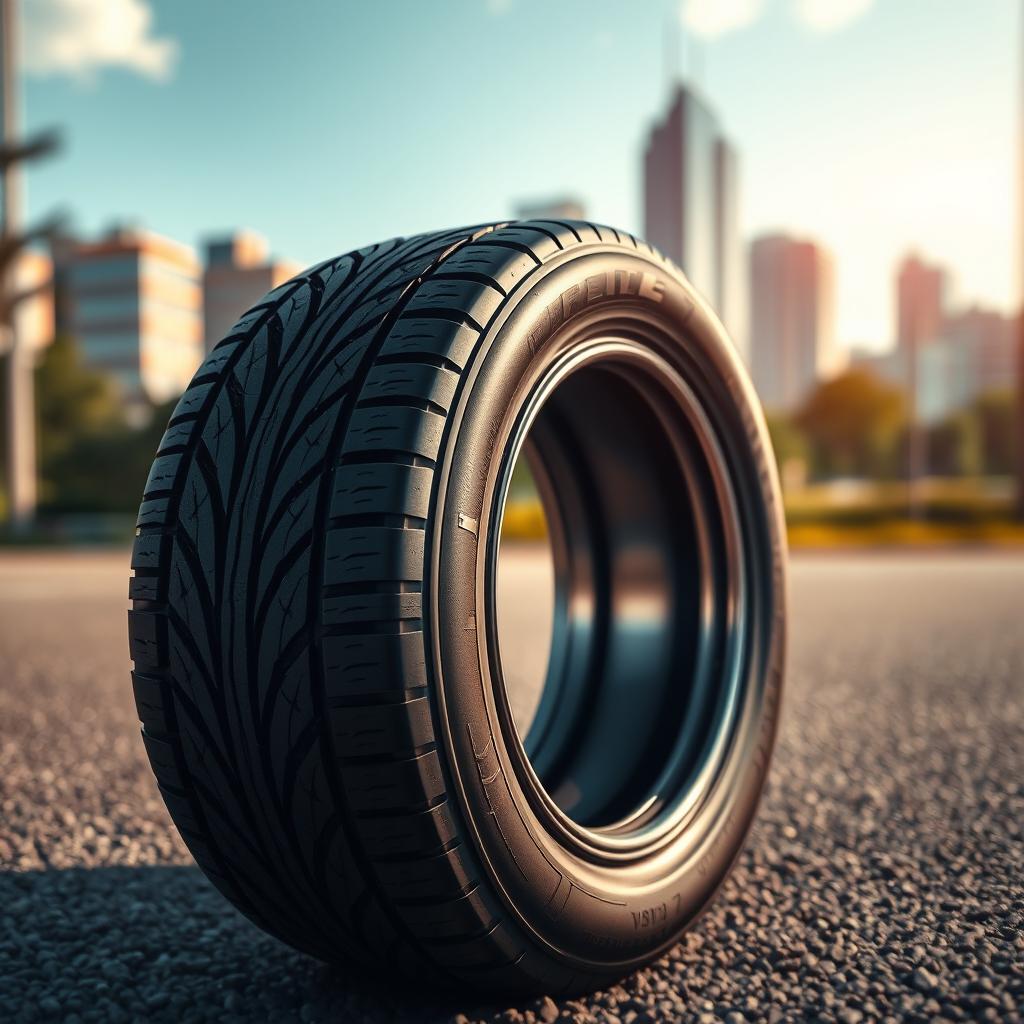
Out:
{"x": 72, "y": 401}
{"x": 790, "y": 447}
{"x": 955, "y": 445}
{"x": 853, "y": 425}
{"x": 91, "y": 460}
{"x": 787, "y": 438}
{"x": 1000, "y": 431}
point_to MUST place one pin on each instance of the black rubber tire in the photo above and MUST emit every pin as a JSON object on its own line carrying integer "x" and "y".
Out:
{"x": 308, "y": 619}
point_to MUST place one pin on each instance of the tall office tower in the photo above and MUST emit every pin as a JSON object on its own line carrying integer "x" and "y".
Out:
{"x": 238, "y": 274}
{"x": 792, "y": 319}
{"x": 560, "y": 208}
{"x": 691, "y": 200}
{"x": 920, "y": 303}
{"x": 730, "y": 271}
{"x": 135, "y": 312}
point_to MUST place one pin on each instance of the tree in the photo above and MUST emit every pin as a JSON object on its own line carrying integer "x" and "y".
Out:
{"x": 71, "y": 400}
{"x": 90, "y": 459}
{"x": 1000, "y": 429}
{"x": 791, "y": 449}
{"x": 955, "y": 446}
{"x": 854, "y": 424}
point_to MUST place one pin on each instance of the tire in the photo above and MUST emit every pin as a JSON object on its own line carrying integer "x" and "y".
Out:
{"x": 312, "y": 622}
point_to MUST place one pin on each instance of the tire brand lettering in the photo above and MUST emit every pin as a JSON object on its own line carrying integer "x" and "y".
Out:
{"x": 651, "y": 288}
{"x": 598, "y": 286}
{"x": 650, "y": 917}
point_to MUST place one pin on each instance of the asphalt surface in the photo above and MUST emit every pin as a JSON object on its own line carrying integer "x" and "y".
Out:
{"x": 885, "y": 878}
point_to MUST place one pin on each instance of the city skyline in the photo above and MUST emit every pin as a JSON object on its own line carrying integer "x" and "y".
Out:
{"x": 775, "y": 292}
{"x": 946, "y": 355}
{"x": 843, "y": 136}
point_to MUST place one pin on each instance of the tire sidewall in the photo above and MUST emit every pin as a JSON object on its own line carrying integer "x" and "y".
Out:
{"x": 586, "y": 914}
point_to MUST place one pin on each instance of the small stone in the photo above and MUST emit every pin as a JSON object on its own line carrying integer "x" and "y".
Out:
{"x": 548, "y": 1010}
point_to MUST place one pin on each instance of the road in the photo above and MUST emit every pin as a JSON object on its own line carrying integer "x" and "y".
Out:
{"x": 885, "y": 877}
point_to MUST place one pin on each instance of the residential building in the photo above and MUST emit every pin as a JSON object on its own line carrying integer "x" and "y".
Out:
{"x": 135, "y": 311}
{"x": 691, "y": 205}
{"x": 238, "y": 273}
{"x": 792, "y": 319}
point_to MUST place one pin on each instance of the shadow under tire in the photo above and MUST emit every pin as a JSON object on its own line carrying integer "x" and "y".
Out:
{"x": 316, "y": 664}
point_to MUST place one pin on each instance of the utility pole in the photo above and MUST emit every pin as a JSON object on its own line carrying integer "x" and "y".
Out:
{"x": 917, "y": 441}
{"x": 19, "y": 387}
{"x": 1020, "y": 415}
{"x": 1020, "y": 278}
{"x": 19, "y": 377}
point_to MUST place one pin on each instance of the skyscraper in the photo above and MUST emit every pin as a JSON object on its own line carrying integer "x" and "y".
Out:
{"x": 135, "y": 311}
{"x": 920, "y": 314}
{"x": 792, "y": 319}
{"x": 238, "y": 274}
{"x": 730, "y": 297}
{"x": 691, "y": 194}
{"x": 920, "y": 302}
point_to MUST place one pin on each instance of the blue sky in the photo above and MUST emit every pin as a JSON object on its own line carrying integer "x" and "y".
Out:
{"x": 874, "y": 127}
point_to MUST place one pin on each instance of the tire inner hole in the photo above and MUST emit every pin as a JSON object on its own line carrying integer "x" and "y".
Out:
{"x": 605, "y": 612}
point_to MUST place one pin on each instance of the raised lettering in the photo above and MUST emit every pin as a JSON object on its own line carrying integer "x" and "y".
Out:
{"x": 651, "y": 288}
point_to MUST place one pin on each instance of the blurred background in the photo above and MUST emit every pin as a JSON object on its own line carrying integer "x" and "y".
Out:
{"x": 840, "y": 178}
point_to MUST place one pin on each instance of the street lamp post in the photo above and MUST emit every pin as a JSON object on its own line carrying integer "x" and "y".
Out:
{"x": 18, "y": 380}
{"x": 1019, "y": 427}
{"x": 1020, "y": 416}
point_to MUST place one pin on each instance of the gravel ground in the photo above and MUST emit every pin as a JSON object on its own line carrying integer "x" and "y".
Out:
{"x": 885, "y": 878}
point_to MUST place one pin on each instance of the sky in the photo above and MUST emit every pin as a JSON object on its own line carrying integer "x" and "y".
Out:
{"x": 874, "y": 127}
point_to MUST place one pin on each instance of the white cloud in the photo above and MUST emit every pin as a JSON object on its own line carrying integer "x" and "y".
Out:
{"x": 828, "y": 15}
{"x": 710, "y": 18}
{"x": 79, "y": 37}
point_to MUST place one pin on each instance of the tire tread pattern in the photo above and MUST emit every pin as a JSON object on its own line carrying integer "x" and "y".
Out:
{"x": 276, "y": 622}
